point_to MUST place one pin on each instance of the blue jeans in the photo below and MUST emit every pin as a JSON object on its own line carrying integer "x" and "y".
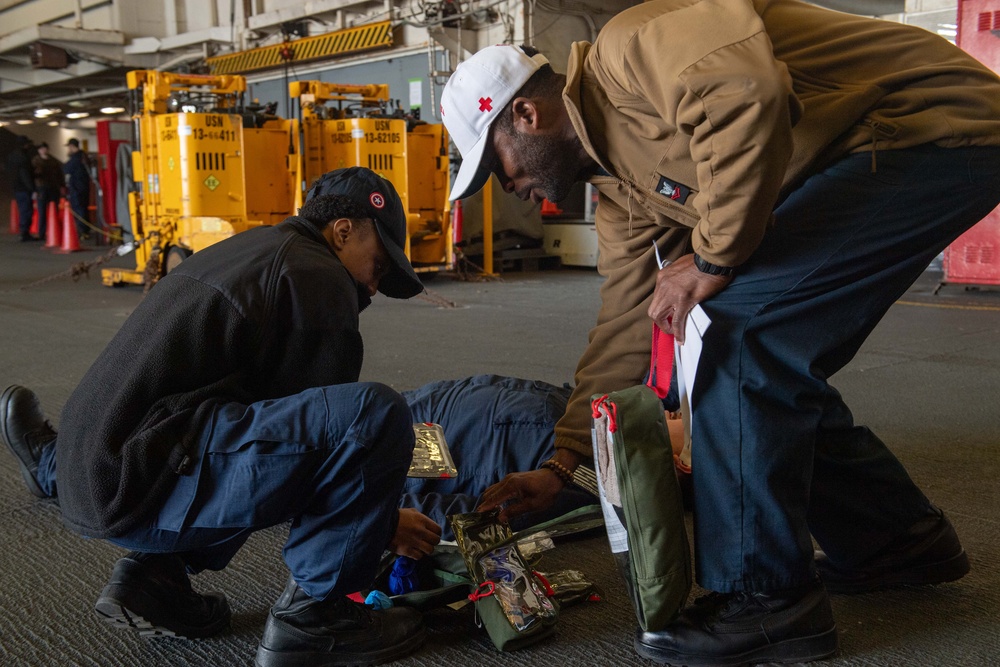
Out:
{"x": 331, "y": 460}
{"x": 776, "y": 452}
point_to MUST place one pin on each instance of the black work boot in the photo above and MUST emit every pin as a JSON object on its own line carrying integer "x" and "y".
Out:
{"x": 928, "y": 553}
{"x": 795, "y": 625}
{"x": 304, "y": 632}
{"x": 25, "y": 431}
{"x": 151, "y": 594}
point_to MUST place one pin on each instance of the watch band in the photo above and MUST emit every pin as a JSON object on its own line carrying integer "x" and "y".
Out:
{"x": 712, "y": 269}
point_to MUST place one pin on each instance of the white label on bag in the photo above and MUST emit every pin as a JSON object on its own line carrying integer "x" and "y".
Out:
{"x": 617, "y": 535}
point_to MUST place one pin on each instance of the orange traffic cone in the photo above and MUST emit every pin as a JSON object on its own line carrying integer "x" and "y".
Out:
{"x": 34, "y": 218}
{"x": 51, "y": 217}
{"x": 53, "y": 237}
{"x": 15, "y": 218}
{"x": 550, "y": 209}
{"x": 70, "y": 239}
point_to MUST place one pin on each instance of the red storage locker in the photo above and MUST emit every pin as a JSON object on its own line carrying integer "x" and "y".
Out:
{"x": 974, "y": 258}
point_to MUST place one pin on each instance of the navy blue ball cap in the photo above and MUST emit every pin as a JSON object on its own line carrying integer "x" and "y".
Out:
{"x": 378, "y": 198}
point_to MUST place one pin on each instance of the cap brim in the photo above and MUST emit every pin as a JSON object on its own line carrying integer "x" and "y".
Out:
{"x": 472, "y": 176}
{"x": 400, "y": 281}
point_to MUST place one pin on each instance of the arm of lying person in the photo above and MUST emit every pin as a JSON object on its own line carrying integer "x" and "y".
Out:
{"x": 416, "y": 534}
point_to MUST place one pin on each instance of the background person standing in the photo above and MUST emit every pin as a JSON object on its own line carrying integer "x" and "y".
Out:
{"x": 22, "y": 182}
{"x": 48, "y": 183}
{"x": 77, "y": 170}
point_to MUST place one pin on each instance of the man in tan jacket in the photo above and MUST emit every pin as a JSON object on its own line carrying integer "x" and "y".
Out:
{"x": 801, "y": 167}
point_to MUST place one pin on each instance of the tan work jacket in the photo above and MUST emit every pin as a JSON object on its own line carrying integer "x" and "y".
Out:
{"x": 704, "y": 111}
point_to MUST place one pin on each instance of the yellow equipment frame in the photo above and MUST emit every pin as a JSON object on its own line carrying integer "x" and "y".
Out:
{"x": 346, "y": 125}
{"x": 190, "y": 166}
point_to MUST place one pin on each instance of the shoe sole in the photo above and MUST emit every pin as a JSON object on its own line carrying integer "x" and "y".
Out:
{"x": 941, "y": 572}
{"x": 801, "y": 649}
{"x": 29, "y": 479}
{"x": 113, "y": 610}
{"x": 270, "y": 658}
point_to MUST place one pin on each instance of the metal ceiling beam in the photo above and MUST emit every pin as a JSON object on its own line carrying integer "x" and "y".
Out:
{"x": 14, "y": 78}
{"x": 304, "y": 10}
{"x": 56, "y": 33}
{"x": 143, "y": 45}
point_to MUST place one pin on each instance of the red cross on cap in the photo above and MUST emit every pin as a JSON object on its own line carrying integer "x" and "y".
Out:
{"x": 486, "y": 104}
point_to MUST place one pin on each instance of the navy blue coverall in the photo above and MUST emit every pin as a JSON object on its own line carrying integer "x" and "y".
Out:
{"x": 78, "y": 189}
{"x": 494, "y": 425}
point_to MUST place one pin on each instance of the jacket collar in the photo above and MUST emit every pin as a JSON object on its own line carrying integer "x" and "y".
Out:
{"x": 572, "y": 99}
{"x": 307, "y": 229}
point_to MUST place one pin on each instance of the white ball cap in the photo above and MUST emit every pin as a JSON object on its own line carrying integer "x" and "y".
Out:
{"x": 473, "y": 98}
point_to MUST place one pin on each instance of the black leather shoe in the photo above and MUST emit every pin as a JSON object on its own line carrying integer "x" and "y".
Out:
{"x": 152, "y": 595}
{"x": 746, "y": 628}
{"x": 304, "y": 632}
{"x": 928, "y": 553}
{"x": 25, "y": 432}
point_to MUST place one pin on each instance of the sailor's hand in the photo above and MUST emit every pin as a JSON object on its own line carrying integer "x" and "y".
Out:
{"x": 416, "y": 535}
{"x": 680, "y": 286}
{"x": 522, "y": 492}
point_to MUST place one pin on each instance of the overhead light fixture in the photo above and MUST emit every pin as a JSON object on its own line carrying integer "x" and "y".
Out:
{"x": 24, "y": 121}
{"x": 53, "y": 123}
{"x": 77, "y": 115}
{"x": 111, "y": 110}
{"x": 3, "y": 123}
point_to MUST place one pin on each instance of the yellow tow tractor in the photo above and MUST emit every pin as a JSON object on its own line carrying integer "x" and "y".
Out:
{"x": 346, "y": 125}
{"x": 205, "y": 166}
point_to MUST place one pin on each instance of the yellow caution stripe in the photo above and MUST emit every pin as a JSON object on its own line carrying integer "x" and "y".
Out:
{"x": 342, "y": 42}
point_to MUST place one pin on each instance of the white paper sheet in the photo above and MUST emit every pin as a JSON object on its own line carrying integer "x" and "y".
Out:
{"x": 686, "y": 358}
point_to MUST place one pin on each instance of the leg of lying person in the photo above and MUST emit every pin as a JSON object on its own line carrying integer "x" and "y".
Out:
{"x": 494, "y": 425}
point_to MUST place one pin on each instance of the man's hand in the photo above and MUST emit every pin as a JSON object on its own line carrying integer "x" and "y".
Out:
{"x": 415, "y": 535}
{"x": 522, "y": 492}
{"x": 680, "y": 286}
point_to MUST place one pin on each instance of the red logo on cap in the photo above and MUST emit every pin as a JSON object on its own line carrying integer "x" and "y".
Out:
{"x": 377, "y": 200}
{"x": 486, "y": 104}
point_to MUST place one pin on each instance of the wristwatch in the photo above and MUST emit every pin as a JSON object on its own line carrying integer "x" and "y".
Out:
{"x": 712, "y": 269}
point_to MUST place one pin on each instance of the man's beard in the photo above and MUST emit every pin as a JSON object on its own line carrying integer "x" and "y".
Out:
{"x": 552, "y": 163}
